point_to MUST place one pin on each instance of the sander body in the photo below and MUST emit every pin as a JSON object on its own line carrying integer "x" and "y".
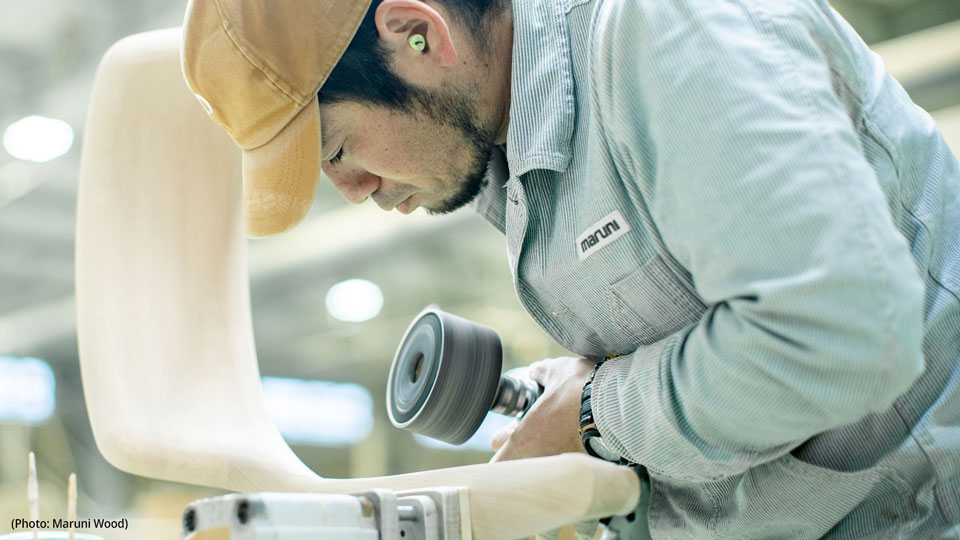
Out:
{"x": 445, "y": 377}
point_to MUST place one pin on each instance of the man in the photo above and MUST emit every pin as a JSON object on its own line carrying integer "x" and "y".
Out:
{"x": 733, "y": 201}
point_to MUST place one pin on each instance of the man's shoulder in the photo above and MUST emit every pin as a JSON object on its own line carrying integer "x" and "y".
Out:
{"x": 630, "y": 40}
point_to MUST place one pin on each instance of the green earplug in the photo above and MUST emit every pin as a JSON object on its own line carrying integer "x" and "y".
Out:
{"x": 418, "y": 42}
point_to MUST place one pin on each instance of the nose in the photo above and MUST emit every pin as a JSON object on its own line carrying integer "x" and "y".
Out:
{"x": 354, "y": 184}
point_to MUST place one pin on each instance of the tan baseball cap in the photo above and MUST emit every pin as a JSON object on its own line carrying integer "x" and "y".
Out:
{"x": 255, "y": 67}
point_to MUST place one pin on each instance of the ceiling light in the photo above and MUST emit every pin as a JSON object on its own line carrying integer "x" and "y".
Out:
{"x": 354, "y": 300}
{"x": 37, "y": 138}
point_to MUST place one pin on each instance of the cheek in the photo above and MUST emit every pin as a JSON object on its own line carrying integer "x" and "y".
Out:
{"x": 394, "y": 156}
{"x": 408, "y": 150}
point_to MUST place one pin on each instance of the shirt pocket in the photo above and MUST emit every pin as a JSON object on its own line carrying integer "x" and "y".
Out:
{"x": 652, "y": 303}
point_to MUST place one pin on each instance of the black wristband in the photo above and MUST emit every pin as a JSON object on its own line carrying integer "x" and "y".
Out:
{"x": 588, "y": 427}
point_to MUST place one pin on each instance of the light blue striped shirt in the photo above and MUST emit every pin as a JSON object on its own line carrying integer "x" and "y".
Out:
{"x": 737, "y": 198}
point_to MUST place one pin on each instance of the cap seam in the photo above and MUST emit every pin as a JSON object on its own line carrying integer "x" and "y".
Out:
{"x": 227, "y": 28}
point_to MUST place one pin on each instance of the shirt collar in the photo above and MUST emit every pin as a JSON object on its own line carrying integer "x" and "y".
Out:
{"x": 542, "y": 103}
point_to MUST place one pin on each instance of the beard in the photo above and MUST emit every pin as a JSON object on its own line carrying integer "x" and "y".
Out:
{"x": 458, "y": 110}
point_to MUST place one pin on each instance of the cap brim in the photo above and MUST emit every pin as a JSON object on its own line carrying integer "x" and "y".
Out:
{"x": 280, "y": 177}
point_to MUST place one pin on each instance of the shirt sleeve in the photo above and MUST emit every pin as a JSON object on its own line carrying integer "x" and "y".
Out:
{"x": 727, "y": 121}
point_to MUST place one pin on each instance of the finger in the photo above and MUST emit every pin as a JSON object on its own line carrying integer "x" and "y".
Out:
{"x": 511, "y": 448}
{"x": 501, "y": 436}
{"x": 505, "y": 453}
{"x": 536, "y": 371}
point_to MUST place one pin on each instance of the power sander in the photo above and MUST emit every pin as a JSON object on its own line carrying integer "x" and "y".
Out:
{"x": 446, "y": 376}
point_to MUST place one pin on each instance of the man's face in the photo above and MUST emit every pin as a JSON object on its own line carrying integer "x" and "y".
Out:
{"x": 434, "y": 156}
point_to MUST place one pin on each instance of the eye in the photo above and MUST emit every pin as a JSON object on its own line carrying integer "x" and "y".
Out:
{"x": 336, "y": 159}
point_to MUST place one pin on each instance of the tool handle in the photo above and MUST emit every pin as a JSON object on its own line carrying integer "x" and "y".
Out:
{"x": 515, "y": 396}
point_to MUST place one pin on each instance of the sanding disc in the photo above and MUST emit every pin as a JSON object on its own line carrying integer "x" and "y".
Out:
{"x": 444, "y": 376}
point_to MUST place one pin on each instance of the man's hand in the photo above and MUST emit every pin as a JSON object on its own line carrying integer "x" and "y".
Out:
{"x": 552, "y": 425}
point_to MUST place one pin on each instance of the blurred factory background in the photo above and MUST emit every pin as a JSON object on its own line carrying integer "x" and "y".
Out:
{"x": 328, "y": 314}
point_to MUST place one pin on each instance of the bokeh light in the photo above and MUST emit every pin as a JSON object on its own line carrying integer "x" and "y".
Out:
{"x": 318, "y": 412}
{"x": 28, "y": 391}
{"x": 354, "y": 300}
{"x": 38, "y": 138}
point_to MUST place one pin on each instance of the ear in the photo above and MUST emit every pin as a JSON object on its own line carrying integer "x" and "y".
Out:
{"x": 397, "y": 20}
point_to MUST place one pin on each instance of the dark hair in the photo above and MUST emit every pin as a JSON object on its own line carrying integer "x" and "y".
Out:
{"x": 363, "y": 73}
